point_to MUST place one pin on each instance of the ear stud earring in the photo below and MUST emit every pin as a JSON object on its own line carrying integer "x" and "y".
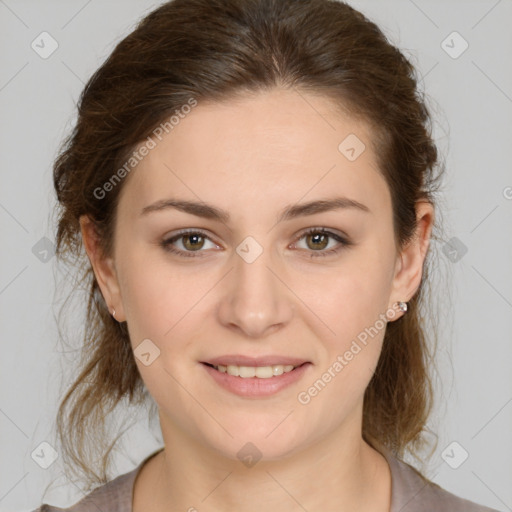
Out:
{"x": 402, "y": 306}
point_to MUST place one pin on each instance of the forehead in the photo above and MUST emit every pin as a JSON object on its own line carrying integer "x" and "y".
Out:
{"x": 281, "y": 145}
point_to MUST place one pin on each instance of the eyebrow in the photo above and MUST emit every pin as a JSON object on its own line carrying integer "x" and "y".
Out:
{"x": 290, "y": 212}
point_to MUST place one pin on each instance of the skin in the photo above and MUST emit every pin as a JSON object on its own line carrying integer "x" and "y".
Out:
{"x": 252, "y": 157}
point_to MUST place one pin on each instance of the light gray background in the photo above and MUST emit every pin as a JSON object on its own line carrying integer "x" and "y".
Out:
{"x": 472, "y": 100}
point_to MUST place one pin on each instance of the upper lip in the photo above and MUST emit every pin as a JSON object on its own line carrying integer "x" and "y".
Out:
{"x": 269, "y": 360}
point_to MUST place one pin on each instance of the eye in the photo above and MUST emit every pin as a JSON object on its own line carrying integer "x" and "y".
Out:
{"x": 317, "y": 239}
{"x": 192, "y": 242}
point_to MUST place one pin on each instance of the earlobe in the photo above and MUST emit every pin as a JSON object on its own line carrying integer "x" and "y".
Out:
{"x": 103, "y": 267}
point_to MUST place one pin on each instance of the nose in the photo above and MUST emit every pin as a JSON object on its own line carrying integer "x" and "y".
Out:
{"x": 255, "y": 299}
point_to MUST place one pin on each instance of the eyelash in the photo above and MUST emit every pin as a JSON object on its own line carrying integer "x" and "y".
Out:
{"x": 167, "y": 244}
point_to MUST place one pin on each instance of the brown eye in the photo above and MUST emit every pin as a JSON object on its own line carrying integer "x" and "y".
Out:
{"x": 193, "y": 242}
{"x": 317, "y": 241}
{"x": 188, "y": 243}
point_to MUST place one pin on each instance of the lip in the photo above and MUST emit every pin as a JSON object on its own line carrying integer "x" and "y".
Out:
{"x": 268, "y": 360}
{"x": 255, "y": 387}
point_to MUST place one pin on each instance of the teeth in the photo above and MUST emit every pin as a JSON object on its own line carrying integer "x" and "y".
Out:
{"x": 262, "y": 372}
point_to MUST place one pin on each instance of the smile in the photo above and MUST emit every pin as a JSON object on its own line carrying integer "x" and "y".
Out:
{"x": 260, "y": 372}
{"x": 255, "y": 381}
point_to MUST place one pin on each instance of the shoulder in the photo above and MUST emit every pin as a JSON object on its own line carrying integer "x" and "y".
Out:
{"x": 412, "y": 492}
{"x": 114, "y": 496}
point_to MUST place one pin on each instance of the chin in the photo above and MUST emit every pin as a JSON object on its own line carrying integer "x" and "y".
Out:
{"x": 263, "y": 441}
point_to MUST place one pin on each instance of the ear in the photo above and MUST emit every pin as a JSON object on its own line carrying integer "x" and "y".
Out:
{"x": 409, "y": 265}
{"x": 103, "y": 268}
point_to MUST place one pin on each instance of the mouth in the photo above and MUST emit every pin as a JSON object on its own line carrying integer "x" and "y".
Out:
{"x": 259, "y": 372}
{"x": 251, "y": 379}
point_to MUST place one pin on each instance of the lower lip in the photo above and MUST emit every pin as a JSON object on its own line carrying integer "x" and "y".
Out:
{"x": 255, "y": 387}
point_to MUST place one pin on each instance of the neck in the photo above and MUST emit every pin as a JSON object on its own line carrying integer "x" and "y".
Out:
{"x": 337, "y": 472}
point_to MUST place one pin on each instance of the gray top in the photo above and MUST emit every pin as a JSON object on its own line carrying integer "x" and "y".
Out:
{"x": 410, "y": 492}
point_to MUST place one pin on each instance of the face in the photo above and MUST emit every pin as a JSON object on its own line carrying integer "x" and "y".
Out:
{"x": 259, "y": 278}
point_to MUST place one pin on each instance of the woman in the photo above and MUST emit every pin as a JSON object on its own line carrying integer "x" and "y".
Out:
{"x": 253, "y": 184}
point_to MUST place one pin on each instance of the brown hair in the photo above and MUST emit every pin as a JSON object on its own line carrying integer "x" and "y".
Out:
{"x": 213, "y": 50}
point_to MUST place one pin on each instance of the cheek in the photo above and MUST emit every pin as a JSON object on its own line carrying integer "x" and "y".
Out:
{"x": 350, "y": 298}
{"x": 354, "y": 309}
{"x": 154, "y": 293}
{"x": 165, "y": 304}
{"x": 352, "y": 302}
